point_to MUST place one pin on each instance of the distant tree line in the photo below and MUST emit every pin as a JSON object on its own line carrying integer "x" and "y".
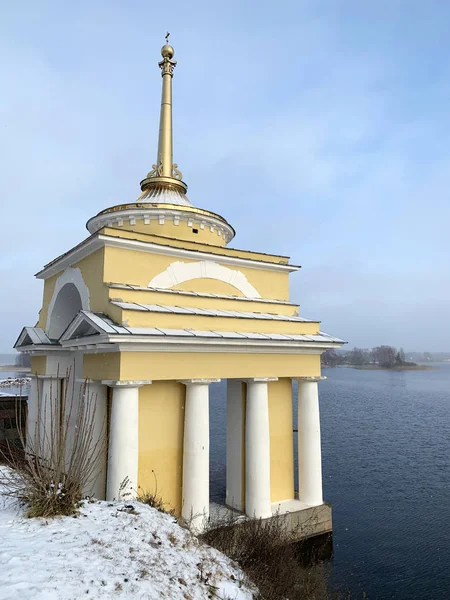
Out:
{"x": 387, "y": 357}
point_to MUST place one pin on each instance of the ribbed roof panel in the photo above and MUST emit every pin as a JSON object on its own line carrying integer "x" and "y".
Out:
{"x": 164, "y": 195}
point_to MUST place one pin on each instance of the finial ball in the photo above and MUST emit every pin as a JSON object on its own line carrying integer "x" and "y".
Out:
{"x": 167, "y": 51}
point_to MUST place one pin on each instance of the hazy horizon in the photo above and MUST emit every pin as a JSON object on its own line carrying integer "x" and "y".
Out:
{"x": 319, "y": 131}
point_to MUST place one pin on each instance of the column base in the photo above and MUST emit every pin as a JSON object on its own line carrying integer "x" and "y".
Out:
{"x": 302, "y": 522}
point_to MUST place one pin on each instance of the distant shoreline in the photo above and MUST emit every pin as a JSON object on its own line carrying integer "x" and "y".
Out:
{"x": 14, "y": 369}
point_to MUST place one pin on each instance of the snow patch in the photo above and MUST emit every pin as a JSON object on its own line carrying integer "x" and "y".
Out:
{"x": 110, "y": 550}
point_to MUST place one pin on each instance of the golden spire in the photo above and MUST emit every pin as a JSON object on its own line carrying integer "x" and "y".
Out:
{"x": 165, "y": 172}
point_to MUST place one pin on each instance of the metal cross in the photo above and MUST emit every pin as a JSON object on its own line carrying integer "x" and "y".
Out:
{"x": 167, "y": 37}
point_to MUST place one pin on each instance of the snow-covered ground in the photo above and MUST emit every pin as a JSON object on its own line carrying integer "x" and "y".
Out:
{"x": 110, "y": 551}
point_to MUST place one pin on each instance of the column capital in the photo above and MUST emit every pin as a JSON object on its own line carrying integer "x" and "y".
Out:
{"x": 260, "y": 379}
{"x": 310, "y": 379}
{"x": 198, "y": 381}
{"x": 123, "y": 383}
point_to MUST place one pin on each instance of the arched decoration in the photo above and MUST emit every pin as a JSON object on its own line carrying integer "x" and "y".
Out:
{"x": 179, "y": 272}
{"x": 70, "y": 296}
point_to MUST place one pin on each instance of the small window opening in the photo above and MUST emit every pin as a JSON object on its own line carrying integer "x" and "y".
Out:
{"x": 195, "y": 231}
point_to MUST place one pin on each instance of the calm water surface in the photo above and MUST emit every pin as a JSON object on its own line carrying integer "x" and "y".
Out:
{"x": 386, "y": 464}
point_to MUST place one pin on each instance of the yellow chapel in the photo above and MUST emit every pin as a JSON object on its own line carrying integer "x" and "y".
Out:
{"x": 152, "y": 308}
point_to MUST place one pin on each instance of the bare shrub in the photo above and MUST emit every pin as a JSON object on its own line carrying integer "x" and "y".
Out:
{"x": 61, "y": 456}
{"x": 266, "y": 552}
{"x": 154, "y": 499}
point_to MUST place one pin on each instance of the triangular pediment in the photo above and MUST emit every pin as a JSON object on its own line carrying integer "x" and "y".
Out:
{"x": 32, "y": 336}
{"x": 24, "y": 339}
{"x": 87, "y": 324}
{"x": 84, "y": 329}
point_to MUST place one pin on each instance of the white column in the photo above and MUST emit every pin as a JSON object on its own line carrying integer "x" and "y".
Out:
{"x": 123, "y": 451}
{"x": 49, "y": 415}
{"x": 309, "y": 448}
{"x": 257, "y": 449}
{"x": 235, "y": 444}
{"x": 32, "y": 415}
{"x": 74, "y": 385}
{"x": 195, "y": 502}
{"x": 96, "y": 411}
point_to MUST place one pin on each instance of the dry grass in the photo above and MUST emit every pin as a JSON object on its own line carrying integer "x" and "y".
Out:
{"x": 266, "y": 553}
{"x": 172, "y": 539}
{"x": 61, "y": 456}
{"x": 154, "y": 499}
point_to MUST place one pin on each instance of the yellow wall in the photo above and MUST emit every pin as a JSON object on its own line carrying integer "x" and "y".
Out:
{"x": 195, "y": 245}
{"x": 39, "y": 365}
{"x": 166, "y": 298}
{"x": 204, "y": 286}
{"x": 139, "y": 318}
{"x": 49, "y": 287}
{"x": 157, "y": 366}
{"x": 161, "y": 424}
{"x": 91, "y": 269}
{"x": 190, "y": 365}
{"x": 102, "y": 366}
{"x": 180, "y": 232}
{"x": 139, "y": 268}
{"x": 118, "y": 265}
{"x": 281, "y": 440}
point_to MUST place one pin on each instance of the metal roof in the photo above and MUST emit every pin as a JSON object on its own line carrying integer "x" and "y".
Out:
{"x": 105, "y": 325}
{"x": 163, "y": 195}
{"x": 33, "y": 336}
{"x": 209, "y": 312}
{"x": 140, "y": 288}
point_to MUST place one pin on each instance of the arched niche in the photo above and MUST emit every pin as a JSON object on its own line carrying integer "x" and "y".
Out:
{"x": 69, "y": 297}
{"x": 180, "y": 272}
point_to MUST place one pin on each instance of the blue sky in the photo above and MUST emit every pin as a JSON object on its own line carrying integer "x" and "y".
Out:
{"x": 319, "y": 129}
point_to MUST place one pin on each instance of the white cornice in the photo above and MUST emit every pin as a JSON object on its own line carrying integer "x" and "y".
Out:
{"x": 136, "y": 343}
{"x": 99, "y": 240}
{"x": 71, "y": 257}
{"x": 40, "y": 349}
{"x": 118, "y": 217}
{"x": 310, "y": 379}
{"x": 126, "y": 383}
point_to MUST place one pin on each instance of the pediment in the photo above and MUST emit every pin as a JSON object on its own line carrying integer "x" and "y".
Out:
{"x": 84, "y": 329}
{"x": 82, "y": 326}
{"x": 32, "y": 336}
{"x": 87, "y": 324}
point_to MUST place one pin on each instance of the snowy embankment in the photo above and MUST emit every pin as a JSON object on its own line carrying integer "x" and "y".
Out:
{"x": 110, "y": 550}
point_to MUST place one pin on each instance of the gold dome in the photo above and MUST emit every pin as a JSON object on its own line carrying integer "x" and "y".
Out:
{"x": 167, "y": 51}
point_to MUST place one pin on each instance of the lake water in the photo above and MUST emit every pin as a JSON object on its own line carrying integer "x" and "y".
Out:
{"x": 386, "y": 469}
